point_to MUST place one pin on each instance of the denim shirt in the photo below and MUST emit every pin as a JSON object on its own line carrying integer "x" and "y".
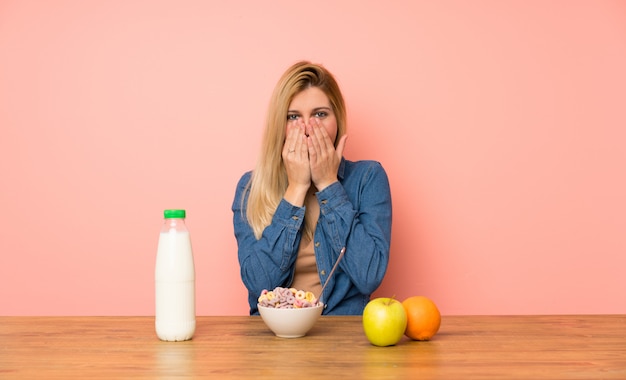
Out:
{"x": 355, "y": 213}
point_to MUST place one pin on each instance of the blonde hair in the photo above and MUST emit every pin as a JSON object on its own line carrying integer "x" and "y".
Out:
{"x": 269, "y": 179}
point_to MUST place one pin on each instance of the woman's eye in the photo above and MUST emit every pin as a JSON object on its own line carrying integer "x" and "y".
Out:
{"x": 292, "y": 117}
{"x": 321, "y": 114}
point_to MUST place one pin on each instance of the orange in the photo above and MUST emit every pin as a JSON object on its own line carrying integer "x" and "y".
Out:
{"x": 423, "y": 318}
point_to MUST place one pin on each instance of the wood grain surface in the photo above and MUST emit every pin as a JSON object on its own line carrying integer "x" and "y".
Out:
{"x": 466, "y": 347}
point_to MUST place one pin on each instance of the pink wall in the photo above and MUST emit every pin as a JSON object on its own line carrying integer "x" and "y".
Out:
{"x": 501, "y": 125}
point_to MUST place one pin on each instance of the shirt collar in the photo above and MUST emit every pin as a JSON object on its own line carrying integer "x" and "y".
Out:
{"x": 342, "y": 167}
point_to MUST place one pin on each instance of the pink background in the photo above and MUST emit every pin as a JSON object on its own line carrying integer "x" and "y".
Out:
{"x": 502, "y": 126}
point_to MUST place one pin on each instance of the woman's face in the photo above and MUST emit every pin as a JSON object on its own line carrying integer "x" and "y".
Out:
{"x": 310, "y": 104}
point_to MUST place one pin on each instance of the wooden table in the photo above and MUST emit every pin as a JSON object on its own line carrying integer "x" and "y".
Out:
{"x": 466, "y": 347}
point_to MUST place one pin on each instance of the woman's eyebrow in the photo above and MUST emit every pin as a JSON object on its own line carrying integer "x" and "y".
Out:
{"x": 314, "y": 109}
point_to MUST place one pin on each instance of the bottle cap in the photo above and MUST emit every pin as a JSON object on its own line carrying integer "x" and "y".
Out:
{"x": 174, "y": 214}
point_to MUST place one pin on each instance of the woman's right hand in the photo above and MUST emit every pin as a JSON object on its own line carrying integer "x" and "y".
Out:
{"x": 296, "y": 159}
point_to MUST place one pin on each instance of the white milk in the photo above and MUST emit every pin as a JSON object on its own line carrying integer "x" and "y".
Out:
{"x": 175, "y": 318}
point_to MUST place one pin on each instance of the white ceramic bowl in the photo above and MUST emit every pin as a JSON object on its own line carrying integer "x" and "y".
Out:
{"x": 290, "y": 323}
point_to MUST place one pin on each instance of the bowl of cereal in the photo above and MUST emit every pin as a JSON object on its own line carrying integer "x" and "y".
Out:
{"x": 288, "y": 312}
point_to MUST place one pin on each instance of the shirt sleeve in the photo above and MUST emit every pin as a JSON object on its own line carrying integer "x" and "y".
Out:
{"x": 360, "y": 221}
{"x": 268, "y": 262}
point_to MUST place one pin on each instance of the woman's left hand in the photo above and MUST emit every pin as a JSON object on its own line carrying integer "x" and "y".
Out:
{"x": 323, "y": 157}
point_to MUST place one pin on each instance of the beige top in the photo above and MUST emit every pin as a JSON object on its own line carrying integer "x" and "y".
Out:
{"x": 306, "y": 277}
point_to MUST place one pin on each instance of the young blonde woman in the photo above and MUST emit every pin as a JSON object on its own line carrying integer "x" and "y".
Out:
{"x": 304, "y": 203}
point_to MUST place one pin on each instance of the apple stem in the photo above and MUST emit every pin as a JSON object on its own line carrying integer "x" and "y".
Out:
{"x": 391, "y": 299}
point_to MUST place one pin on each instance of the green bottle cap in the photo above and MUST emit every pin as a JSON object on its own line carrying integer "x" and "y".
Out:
{"x": 174, "y": 214}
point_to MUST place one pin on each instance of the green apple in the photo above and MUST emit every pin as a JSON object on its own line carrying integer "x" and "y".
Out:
{"x": 384, "y": 321}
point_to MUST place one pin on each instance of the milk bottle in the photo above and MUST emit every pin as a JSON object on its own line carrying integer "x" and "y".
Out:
{"x": 175, "y": 315}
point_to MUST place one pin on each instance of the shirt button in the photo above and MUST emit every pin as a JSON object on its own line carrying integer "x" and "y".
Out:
{"x": 324, "y": 201}
{"x": 317, "y": 243}
{"x": 323, "y": 272}
{"x": 295, "y": 217}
